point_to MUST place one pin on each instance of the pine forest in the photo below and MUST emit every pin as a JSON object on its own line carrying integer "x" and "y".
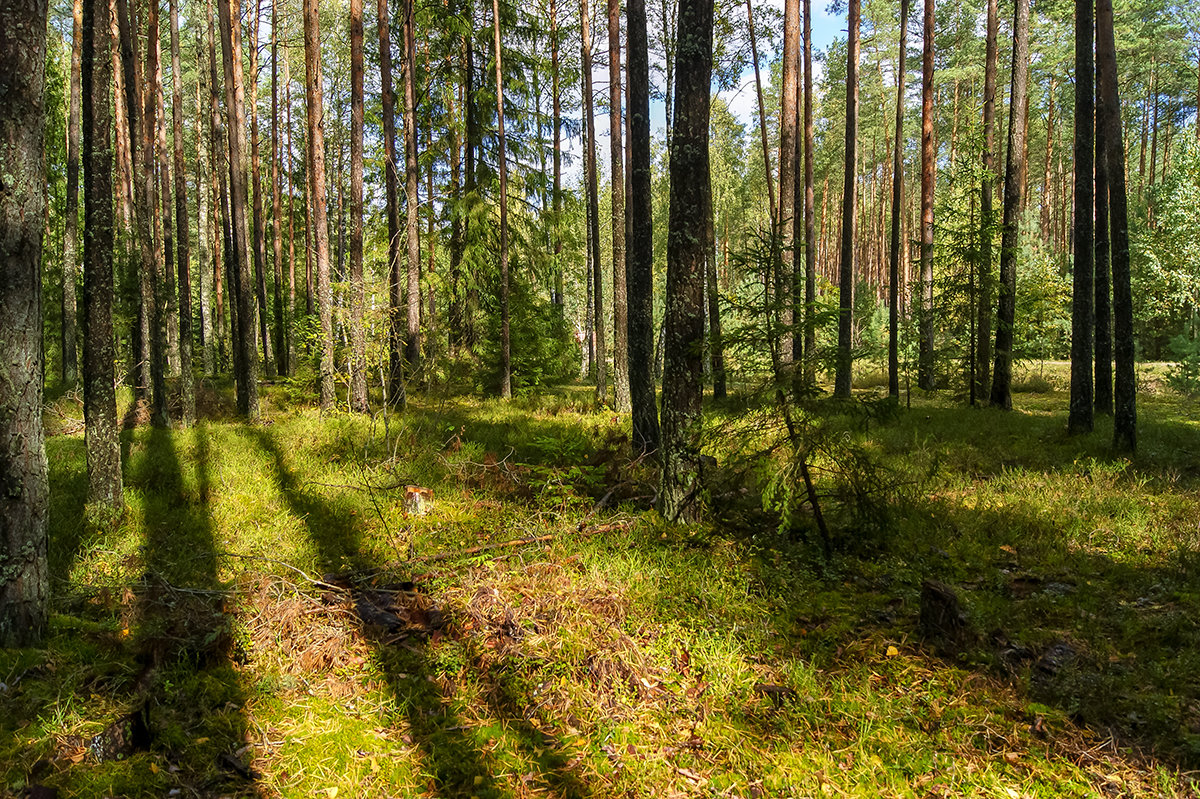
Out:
{"x": 514, "y": 398}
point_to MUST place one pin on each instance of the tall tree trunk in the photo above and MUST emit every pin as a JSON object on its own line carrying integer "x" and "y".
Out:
{"x": 470, "y": 183}
{"x": 1103, "y": 391}
{"x": 556, "y": 197}
{"x": 412, "y": 177}
{"x": 593, "y": 200}
{"x": 142, "y": 160}
{"x": 842, "y": 376}
{"x": 897, "y": 201}
{"x": 182, "y": 226}
{"x": 24, "y": 576}
{"x": 1046, "y": 176}
{"x": 640, "y": 255}
{"x": 165, "y": 298}
{"x": 1001, "y": 395}
{"x": 245, "y": 362}
{"x": 678, "y": 496}
{"x": 983, "y": 313}
{"x": 762, "y": 113}
{"x": 220, "y": 196}
{"x": 101, "y": 435}
{"x": 204, "y": 237}
{"x": 716, "y": 343}
{"x": 290, "y": 313}
{"x": 358, "y": 341}
{"x": 617, "y": 180}
{"x": 925, "y": 368}
{"x": 505, "y": 344}
{"x": 810, "y": 240}
{"x": 1124, "y": 392}
{"x": 456, "y": 243}
{"x": 788, "y": 107}
{"x": 282, "y": 358}
{"x": 70, "y": 357}
{"x": 316, "y": 170}
{"x": 1080, "y": 418}
{"x": 260, "y": 247}
{"x": 1154, "y": 139}
{"x": 395, "y": 382}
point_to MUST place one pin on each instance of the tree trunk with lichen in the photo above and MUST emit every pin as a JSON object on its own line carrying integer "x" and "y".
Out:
{"x": 101, "y": 435}
{"x": 246, "y": 361}
{"x": 24, "y": 579}
{"x": 678, "y": 496}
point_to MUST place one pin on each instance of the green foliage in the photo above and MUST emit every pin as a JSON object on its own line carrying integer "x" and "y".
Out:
{"x": 1184, "y": 374}
{"x": 1043, "y": 311}
{"x": 542, "y": 348}
{"x": 1166, "y": 257}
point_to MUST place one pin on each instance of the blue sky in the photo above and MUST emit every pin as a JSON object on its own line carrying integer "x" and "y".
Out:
{"x": 742, "y": 101}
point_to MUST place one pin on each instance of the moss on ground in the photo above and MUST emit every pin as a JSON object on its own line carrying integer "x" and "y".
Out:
{"x": 266, "y": 620}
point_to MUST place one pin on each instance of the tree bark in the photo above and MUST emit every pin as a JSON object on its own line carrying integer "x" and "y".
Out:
{"x": 1102, "y": 396}
{"x": 70, "y": 356}
{"x": 640, "y": 255}
{"x": 24, "y": 501}
{"x": 502, "y": 166}
{"x": 983, "y": 312}
{"x": 1080, "y": 418}
{"x": 358, "y": 342}
{"x": 165, "y": 299}
{"x": 678, "y": 496}
{"x": 395, "y": 381}
{"x": 220, "y": 184}
{"x": 99, "y": 354}
{"x": 412, "y": 177}
{"x": 762, "y": 113}
{"x": 143, "y": 189}
{"x": 617, "y": 180}
{"x": 164, "y": 332}
{"x": 842, "y": 375}
{"x": 716, "y": 342}
{"x": 925, "y": 367}
{"x": 894, "y": 254}
{"x": 1124, "y": 391}
{"x": 290, "y": 313}
{"x": 593, "y": 200}
{"x": 204, "y": 237}
{"x": 316, "y": 171}
{"x": 810, "y": 240}
{"x": 558, "y": 299}
{"x": 786, "y": 217}
{"x": 282, "y": 322}
{"x": 1001, "y": 395}
{"x": 245, "y": 360}
{"x": 260, "y": 247}
{"x": 1046, "y": 176}
{"x": 182, "y": 226}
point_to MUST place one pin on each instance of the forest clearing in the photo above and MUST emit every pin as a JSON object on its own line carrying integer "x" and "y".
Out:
{"x": 281, "y": 626}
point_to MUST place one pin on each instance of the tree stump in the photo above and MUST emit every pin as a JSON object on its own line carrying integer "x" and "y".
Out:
{"x": 417, "y": 501}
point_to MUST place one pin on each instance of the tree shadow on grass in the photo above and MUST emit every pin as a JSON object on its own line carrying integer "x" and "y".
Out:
{"x": 155, "y": 655}
{"x": 1106, "y": 641}
{"x": 458, "y": 758}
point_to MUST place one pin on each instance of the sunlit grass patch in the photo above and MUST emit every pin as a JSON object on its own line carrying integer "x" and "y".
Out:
{"x": 549, "y": 635}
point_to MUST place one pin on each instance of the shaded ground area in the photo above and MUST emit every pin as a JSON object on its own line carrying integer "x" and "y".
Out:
{"x": 268, "y": 620}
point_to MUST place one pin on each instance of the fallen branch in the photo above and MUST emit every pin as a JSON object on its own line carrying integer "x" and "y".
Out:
{"x": 519, "y": 542}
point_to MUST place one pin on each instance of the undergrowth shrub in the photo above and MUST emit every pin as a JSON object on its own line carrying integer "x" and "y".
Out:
{"x": 540, "y": 344}
{"x": 1184, "y": 376}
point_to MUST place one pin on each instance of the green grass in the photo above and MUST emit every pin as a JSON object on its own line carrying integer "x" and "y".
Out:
{"x": 616, "y": 655}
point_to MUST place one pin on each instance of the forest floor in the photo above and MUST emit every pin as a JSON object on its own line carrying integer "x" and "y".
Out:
{"x": 267, "y": 620}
